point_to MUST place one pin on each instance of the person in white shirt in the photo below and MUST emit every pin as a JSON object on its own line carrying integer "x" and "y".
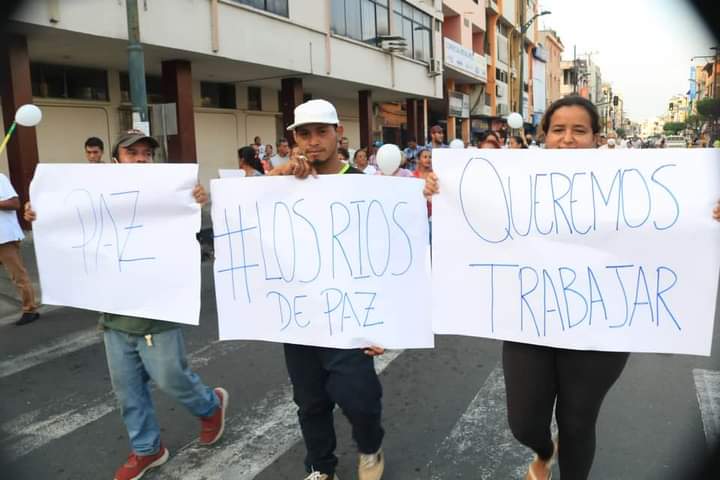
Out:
{"x": 10, "y": 236}
{"x": 283, "y": 154}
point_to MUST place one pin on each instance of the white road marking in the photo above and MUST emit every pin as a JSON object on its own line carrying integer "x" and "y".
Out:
{"x": 251, "y": 442}
{"x": 481, "y": 439}
{"x": 51, "y": 351}
{"x": 37, "y": 428}
{"x": 707, "y": 386}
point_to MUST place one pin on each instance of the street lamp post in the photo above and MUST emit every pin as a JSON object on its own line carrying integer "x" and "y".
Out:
{"x": 523, "y": 30}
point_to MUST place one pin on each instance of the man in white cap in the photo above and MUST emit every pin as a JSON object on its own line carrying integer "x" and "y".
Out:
{"x": 325, "y": 377}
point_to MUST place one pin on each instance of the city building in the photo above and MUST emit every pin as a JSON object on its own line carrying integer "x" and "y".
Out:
{"x": 553, "y": 73}
{"x": 232, "y": 70}
{"x": 465, "y": 71}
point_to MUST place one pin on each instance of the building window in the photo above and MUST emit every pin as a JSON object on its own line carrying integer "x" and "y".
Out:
{"x": 254, "y": 98}
{"x": 363, "y": 20}
{"x": 416, "y": 27}
{"x": 153, "y": 89}
{"x": 217, "y": 95}
{"x": 278, "y": 7}
{"x": 60, "y": 81}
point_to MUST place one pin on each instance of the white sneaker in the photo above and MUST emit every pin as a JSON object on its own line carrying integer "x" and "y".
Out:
{"x": 371, "y": 466}
{"x": 320, "y": 476}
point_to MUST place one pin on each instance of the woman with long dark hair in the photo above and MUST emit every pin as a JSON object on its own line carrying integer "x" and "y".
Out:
{"x": 539, "y": 379}
{"x": 248, "y": 161}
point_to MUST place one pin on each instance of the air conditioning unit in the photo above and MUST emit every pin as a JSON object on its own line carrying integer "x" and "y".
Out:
{"x": 392, "y": 43}
{"x": 500, "y": 89}
{"x": 435, "y": 67}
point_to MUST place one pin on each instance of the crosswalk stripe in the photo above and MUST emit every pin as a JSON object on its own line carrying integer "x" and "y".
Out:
{"x": 707, "y": 386}
{"x": 37, "y": 428}
{"x": 481, "y": 439}
{"x": 251, "y": 443}
{"x": 51, "y": 351}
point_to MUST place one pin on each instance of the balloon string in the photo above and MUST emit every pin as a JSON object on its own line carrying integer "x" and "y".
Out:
{"x": 7, "y": 137}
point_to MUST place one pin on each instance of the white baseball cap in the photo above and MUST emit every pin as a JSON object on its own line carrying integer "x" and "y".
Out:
{"x": 315, "y": 111}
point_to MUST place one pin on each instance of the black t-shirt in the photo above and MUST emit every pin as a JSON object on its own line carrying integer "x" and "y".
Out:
{"x": 352, "y": 169}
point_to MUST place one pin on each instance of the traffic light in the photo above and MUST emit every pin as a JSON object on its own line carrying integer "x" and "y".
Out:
{"x": 616, "y": 101}
{"x": 671, "y": 106}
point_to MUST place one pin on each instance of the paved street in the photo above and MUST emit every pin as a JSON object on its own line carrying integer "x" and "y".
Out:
{"x": 444, "y": 410}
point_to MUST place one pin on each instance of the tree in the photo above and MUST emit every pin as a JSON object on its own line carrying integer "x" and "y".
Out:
{"x": 674, "y": 127}
{"x": 620, "y": 132}
{"x": 709, "y": 108}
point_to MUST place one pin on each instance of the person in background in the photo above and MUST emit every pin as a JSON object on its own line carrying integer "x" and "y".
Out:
{"x": 248, "y": 162}
{"x": 283, "y": 154}
{"x": 361, "y": 162}
{"x": 343, "y": 154}
{"x": 602, "y": 140}
{"x": 516, "y": 141}
{"x": 265, "y": 161}
{"x": 529, "y": 140}
{"x": 259, "y": 147}
{"x": 94, "y": 149}
{"x": 411, "y": 153}
{"x": 345, "y": 143}
{"x": 372, "y": 151}
{"x": 10, "y": 256}
{"x": 437, "y": 137}
{"x": 488, "y": 139}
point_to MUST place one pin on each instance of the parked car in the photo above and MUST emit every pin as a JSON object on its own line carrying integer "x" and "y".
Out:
{"x": 675, "y": 141}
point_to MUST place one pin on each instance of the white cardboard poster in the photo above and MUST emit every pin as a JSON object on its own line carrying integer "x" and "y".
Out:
{"x": 231, "y": 173}
{"x": 611, "y": 250}
{"x": 119, "y": 238}
{"x": 335, "y": 261}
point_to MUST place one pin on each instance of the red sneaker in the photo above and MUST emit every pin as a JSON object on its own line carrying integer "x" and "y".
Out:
{"x": 137, "y": 465}
{"x": 212, "y": 427}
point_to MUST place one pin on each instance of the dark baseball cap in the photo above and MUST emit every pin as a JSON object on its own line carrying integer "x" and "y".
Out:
{"x": 131, "y": 137}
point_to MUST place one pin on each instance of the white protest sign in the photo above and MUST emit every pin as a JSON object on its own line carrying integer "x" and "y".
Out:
{"x": 119, "y": 238}
{"x": 231, "y": 173}
{"x": 580, "y": 249}
{"x": 335, "y": 261}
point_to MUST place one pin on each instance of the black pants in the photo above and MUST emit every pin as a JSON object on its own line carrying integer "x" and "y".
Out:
{"x": 322, "y": 378}
{"x": 536, "y": 378}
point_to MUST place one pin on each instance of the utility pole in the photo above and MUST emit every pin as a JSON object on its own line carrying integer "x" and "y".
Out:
{"x": 575, "y": 70}
{"x": 136, "y": 69}
{"x": 522, "y": 60}
{"x": 525, "y": 27}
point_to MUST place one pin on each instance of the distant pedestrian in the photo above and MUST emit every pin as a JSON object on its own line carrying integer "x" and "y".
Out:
{"x": 343, "y": 154}
{"x": 411, "y": 153}
{"x": 249, "y": 163}
{"x": 94, "y": 149}
{"x": 259, "y": 147}
{"x": 437, "y": 137}
{"x": 516, "y": 141}
{"x": 283, "y": 154}
{"x": 10, "y": 237}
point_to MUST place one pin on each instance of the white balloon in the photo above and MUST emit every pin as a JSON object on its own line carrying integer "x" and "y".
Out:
{"x": 388, "y": 158}
{"x": 515, "y": 120}
{"x": 457, "y": 143}
{"x": 28, "y": 115}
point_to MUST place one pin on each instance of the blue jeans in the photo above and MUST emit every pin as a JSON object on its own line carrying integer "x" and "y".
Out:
{"x": 132, "y": 363}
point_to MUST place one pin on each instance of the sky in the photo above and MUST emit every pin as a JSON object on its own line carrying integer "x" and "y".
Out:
{"x": 643, "y": 47}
